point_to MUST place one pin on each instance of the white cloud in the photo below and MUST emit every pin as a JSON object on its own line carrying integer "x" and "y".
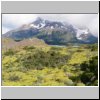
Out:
{"x": 93, "y": 26}
{"x": 16, "y": 20}
{"x": 5, "y": 29}
{"x": 12, "y": 21}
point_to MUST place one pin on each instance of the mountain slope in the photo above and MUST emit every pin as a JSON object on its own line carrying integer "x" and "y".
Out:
{"x": 52, "y": 32}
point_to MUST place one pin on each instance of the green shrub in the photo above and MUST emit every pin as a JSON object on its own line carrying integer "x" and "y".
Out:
{"x": 90, "y": 71}
{"x": 29, "y": 47}
{"x": 39, "y": 59}
{"x": 9, "y": 52}
{"x": 80, "y": 84}
{"x": 14, "y": 77}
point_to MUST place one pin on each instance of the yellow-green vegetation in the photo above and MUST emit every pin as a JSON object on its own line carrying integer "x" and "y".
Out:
{"x": 50, "y": 66}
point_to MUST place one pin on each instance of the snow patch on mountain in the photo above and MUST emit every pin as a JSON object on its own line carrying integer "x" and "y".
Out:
{"x": 79, "y": 32}
{"x": 42, "y": 25}
{"x": 52, "y": 27}
{"x": 34, "y": 26}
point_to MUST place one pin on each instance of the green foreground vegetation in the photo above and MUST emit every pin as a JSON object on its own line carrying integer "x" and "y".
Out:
{"x": 51, "y": 66}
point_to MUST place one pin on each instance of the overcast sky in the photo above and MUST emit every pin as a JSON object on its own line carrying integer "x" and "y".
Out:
{"x": 12, "y": 21}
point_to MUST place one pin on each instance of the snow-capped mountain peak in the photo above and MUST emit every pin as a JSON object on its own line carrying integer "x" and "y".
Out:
{"x": 38, "y": 23}
{"x": 52, "y": 32}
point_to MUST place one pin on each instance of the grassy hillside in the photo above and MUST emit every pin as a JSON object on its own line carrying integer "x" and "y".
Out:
{"x": 50, "y": 66}
{"x": 8, "y": 43}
